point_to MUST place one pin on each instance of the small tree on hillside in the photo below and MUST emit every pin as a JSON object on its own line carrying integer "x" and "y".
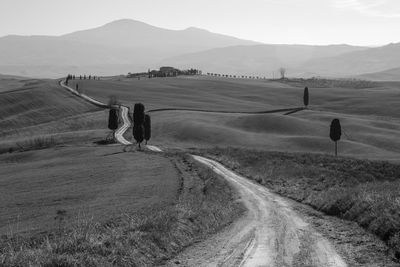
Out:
{"x": 282, "y": 71}
{"x": 306, "y": 97}
{"x": 335, "y": 132}
{"x": 147, "y": 128}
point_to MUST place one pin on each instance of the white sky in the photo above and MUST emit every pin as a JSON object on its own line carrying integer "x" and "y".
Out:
{"x": 362, "y": 22}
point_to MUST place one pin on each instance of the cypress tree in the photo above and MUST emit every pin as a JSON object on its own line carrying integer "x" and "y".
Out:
{"x": 306, "y": 97}
{"x": 335, "y": 132}
{"x": 138, "y": 114}
{"x": 113, "y": 119}
{"x": 147, "y": 128}
{"x": 138, "y": 123}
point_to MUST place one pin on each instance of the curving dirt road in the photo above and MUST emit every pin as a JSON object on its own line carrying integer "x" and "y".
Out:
{"x": 270, "y": 234}
{"x": 119, "y": 134}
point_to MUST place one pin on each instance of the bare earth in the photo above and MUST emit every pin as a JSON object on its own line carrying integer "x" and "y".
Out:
{"x": 271, "y": 234}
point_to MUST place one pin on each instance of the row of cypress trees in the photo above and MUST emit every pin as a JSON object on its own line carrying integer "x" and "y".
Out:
{"x": 235, "y": 76}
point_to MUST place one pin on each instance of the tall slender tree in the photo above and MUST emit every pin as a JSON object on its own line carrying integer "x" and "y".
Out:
{"x": 138, "y": 123}
{"x": 335, "y": 133}
{"x": 113, "y": 120}
{"x": 306, "y": 97}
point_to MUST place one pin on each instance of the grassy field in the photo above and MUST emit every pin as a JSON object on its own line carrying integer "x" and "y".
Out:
{"x": 369, "y": 116}
{"x": 8, "y": 82}
{"x": 40, "y": 112}
{"x": 203, "y": 92}
{"x": 96, "y": 181}
{"x": 366, "y": 192}
{"x": 143, "y": 219}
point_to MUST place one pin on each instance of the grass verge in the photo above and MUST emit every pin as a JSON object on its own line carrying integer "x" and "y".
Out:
{"x": 363, "y": 191}
{"x": 205, "y": 205}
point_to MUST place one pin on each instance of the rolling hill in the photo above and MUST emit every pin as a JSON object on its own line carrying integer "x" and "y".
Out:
{"x": 386, "y": 75}
{"x": 259, "y": 59}
{"x": 305, "y": 131}
{"x": 299, "y": 60}
{"x": 358, "y": 62}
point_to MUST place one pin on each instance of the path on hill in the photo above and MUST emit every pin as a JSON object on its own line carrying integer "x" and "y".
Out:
{"x": 119, "y": 134}
{"x": 270, "y": 234}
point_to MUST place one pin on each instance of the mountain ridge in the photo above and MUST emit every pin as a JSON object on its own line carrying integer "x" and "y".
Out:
{"x": 128, "y": 45}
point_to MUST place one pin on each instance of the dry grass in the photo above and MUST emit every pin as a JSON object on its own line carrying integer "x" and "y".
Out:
{"x": 35, "y": 143}
{"x": 205, "y": 205}
{"x": 363, "y": 191}
{"x": 38, "y": 104}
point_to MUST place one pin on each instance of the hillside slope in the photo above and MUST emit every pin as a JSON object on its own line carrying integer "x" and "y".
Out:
{"x": 358, "y": 62}
{"x": 258, "y": 59}
{"x": 386, "y": 75}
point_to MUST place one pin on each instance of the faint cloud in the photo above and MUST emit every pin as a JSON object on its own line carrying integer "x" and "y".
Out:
{"x": 375, "y": 8}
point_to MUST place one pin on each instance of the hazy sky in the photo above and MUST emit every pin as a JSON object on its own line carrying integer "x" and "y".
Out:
{"x": 364, "y": 22}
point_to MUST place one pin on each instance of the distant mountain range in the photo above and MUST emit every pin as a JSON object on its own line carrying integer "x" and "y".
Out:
{"x": 264, "y": 60}
{"x": 126, "y": 46}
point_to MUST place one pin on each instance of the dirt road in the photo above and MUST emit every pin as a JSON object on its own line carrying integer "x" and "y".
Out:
{"x": 271, "y": 234}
